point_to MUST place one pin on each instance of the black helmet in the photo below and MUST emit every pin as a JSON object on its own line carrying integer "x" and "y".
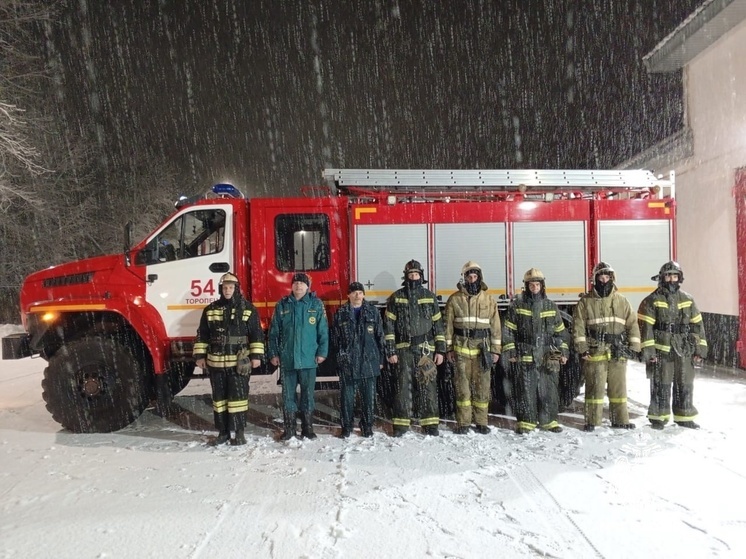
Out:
{"x": 413, "y": 266}
{"x": 670, "y": 267}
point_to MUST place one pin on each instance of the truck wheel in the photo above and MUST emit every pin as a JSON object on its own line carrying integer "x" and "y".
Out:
{"x": 94, "y": 385}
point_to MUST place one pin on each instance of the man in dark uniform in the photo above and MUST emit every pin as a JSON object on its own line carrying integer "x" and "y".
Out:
{"x": 357, "y": 343}
{"x": 414, "y": 329}
{"x": 673, "y": 345}
{"x": 229, "y": 325}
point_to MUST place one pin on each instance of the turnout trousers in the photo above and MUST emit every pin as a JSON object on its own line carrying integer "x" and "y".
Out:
{"x": 411, "y": 393}
{"x": 367, "y": 389}
{"x": 597, "y": 375}
{"x": 230, "y": 399}
{"x": 537, "y": 396}
{"x": 671, "y": 372}
{"x": 472, "y": 385}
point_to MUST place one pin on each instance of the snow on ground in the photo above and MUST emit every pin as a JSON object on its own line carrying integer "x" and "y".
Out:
{"x": 155, "y": 489}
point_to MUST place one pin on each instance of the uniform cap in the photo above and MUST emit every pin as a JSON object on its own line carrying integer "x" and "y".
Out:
{"x": 356, "y": 286}
{"x": 305, "y": 278}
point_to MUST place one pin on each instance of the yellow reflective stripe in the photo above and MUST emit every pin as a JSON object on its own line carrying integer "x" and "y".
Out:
{"x": 559, "y": 328}
{"x": 550, "y": 425}
{"x": 606, "y": 320}
{"x": 466, "y": 351}
{"x": 648, "y": 343}
{"x": 426, "y": 301}
{"x": 662, "y": 418}
{"x": 437, "y": 316}
{"x": 645, "y": 318}
{"x": 390, "y": 315}
{"x": 600, "y": 357}
{"x": 472, "y": 320}
{"x": 221, "y": 361}
{"x": 525, "y": 312}
{"x": 401, "y": 422}
{"x": 401, "y": 300}
{"x": 525, "y": 425}
{"x": 696, "y": 319}
{"x": 661, "y": 304}
{"x": 684, "y": 417}
{"x": 663, "y": 348}
{"x": 580, "y": 339}
{"x": 220, "y": 405}
{"x": 463, "y": 403}
{"x": 508, "y": 346}
{"x": 257, "y": 347}
{"x": 617, "y": 400}
{"x": 481, "y": 405}
{"x": 703, "y": 342}
{"x": 511, "y": 325}
{"x": 527, "y": 359}
{"x": 238, "y": 406}
{"x": 200, "y": 347}
{"x": 594, "y": 401}
{"x": 684, "y": 304}
{"x": 634, "y": 340}
{"x": 426, "y": 421}
{"x": 495, "y": 341}
{"x": 547, "y": 314}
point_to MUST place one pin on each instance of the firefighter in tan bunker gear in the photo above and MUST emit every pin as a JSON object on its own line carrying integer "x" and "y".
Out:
{"x": 673, "y": 344}
{"x": 415, "y": 342}
{"x": 606, "y": 334}
{"x": 473, "y": 345}
{"x": 536, "y": 344}
{"x": 229, "y": 326}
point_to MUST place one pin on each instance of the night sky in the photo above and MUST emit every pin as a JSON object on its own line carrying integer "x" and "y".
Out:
{"x": 268, "y": 93}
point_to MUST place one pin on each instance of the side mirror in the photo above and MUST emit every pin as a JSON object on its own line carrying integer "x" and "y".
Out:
{"x": 127, "y": 242}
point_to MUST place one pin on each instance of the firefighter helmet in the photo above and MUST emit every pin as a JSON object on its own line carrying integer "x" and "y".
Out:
{"x": 469, "y": 266}
{"x": 413, "y": 266}
{"x": 228, "y": 278}
{"x": 534, "y": 274}
{"x": 603, "y": 268}
{"x": 670, "y": 267}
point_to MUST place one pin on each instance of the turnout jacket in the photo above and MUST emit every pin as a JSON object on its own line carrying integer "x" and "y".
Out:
{"x": 413, "y": 317}
{"x": 227, "y": 326}
{"x": 533, "y": 329}
{"x": 602, "y": 326}
{"x": 299, "y": 332}
{"x": 357, "y": 344}
{"x": 671, "y": 322}
{"x": 475, "y": 317}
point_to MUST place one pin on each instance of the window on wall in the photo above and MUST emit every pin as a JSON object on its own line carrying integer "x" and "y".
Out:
{"x": 192, "y": 234}
{"x": 302, "y": 242}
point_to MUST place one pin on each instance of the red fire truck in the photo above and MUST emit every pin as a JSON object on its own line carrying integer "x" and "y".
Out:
{"x": 117, "y": 330}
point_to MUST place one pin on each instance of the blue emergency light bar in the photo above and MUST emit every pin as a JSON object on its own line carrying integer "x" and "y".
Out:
{"x": 226, "y": 189}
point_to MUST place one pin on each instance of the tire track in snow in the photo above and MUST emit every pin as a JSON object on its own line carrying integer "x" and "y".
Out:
{"x": 552, "y": 515}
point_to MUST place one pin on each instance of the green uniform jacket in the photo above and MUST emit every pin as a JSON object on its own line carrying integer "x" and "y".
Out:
{"x": 599, "y": 321}
{"x": 671, "y": 321}
{"x": 412, "y": 317}
{"x": 299, "y": 332}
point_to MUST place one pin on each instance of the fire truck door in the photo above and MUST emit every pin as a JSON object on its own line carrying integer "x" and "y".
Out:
{"x": 184, "y": 261}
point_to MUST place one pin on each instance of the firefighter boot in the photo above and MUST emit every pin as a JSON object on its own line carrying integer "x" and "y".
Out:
{"x": 688, "y": 424}
{"x": 306, "y": 422}
{"x": 289, "y": 424}
{"x": 221, "y": 423}
{"x": 657, "y": 424}
{"x": 240, "y": 438}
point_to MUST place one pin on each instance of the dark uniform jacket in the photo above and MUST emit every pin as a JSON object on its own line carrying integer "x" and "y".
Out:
{"x": 357, "y": 344}
{"x": 226, "y": 326}
{"x": 533, "y": 329}
{"x": 413, "y": 317}
{"x": 299, "y": 332}
{"x": 671, "y": 322}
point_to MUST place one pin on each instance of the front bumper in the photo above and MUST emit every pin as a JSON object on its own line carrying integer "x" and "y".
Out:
{"x": 17, "y": 346}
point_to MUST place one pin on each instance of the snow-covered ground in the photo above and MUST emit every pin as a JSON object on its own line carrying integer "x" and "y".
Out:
{"x": 155, "y": 489}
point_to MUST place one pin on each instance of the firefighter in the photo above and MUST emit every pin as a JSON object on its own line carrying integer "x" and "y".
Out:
{"x": 473, "y": 344}
{"x": 357, "y": 345}
{"x": 415, "y": 342}
{"x": 673, "y": 346}
{"x": 536, "y": 344}
{"x": 228, "y": 329}
{"x": 299, "y": 343}
{"x": 606, "y": 334}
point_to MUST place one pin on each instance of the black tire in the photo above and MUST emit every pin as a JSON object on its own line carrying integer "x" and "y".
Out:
{"x": 179, "y": 376}
{"x": 94, "y": 385}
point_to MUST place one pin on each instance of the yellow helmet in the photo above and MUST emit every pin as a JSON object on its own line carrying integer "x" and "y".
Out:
{"x": 469, "y": 266}
{"x": 228, "y": 278}
{"x": 534, "y": 274}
